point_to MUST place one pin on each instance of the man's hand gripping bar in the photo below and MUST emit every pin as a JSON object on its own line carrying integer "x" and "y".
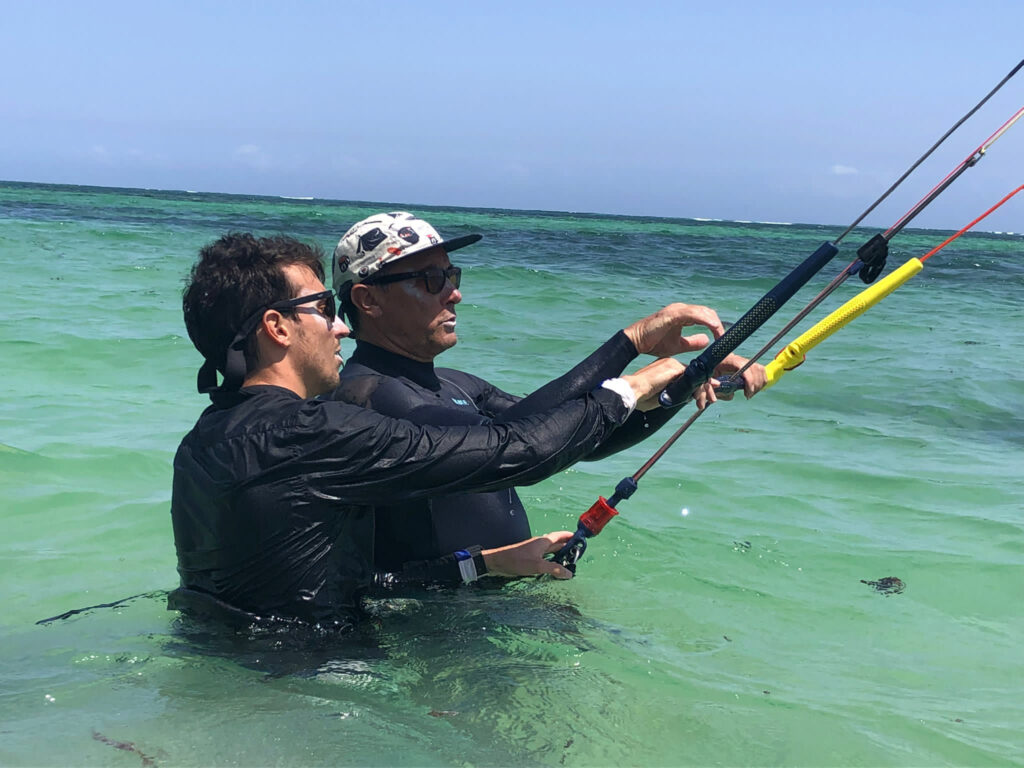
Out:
{"x": 701, "y": 368}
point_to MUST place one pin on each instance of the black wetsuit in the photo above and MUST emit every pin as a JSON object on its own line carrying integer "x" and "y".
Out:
{"x": 399, "y": 386}
{"x": 272, "y": 494}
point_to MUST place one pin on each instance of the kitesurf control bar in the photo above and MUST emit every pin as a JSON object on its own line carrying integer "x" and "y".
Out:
{"x": 701, "y": 368}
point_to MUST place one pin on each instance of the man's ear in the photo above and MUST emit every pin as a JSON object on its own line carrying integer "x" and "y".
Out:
{"x": 365, "y": 300}
{"x": 275, "y": 329}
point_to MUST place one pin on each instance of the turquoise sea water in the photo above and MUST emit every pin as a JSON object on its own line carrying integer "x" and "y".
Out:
{"x": 739, "y": 633}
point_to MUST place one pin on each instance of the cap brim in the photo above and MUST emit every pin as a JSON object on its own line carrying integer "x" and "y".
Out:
{"x": 449, "y": 245}
{"x": 460, "y": 242}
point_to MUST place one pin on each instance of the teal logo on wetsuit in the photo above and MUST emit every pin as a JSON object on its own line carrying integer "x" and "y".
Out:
{"x": 460, "y": 402}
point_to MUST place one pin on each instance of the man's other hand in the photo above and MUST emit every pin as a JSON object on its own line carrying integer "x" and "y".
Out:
{"x": 660, "y": 334}
{"x": 526, "y": 558}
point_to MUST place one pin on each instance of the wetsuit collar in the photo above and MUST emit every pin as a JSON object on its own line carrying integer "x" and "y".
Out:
{"x": 231, "y": 398}
{"x": 393, "y": 364}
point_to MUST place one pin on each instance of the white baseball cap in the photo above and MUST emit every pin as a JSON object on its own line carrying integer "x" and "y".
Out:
{"x": 381, "y": 239}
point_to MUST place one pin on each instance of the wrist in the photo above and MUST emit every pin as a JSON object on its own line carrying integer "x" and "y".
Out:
{"x": 628, "y": 342}
{"x": 497, "y": 561}
{"x": 633, "y": 334}
{"x": 622, "y": 388}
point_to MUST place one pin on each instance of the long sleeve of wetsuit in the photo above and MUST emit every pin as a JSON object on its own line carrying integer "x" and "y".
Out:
{"x": 346, "y": 454}
{"x": 606, "y": 362}
{"x": 441, "y": 571}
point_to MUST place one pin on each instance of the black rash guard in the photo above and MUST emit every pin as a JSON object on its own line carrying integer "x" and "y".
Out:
{"x": 272, "y": 496}
{"x": 401, "y": 387}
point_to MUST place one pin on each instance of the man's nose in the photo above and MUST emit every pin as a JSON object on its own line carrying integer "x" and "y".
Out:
{"x": 339, "y": 329}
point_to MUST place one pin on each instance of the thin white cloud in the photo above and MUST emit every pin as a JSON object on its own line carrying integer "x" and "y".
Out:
{"x": 844, "y": 170}
{"x": 253, "y": 156}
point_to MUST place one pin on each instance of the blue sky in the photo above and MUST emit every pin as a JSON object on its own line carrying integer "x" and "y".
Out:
{"x": 788, "y": 111}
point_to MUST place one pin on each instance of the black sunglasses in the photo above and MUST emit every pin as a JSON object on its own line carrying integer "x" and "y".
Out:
{"x": 434, "y": 277}
{"x": 234, "y": 364}
{"x": 330, "y": 309}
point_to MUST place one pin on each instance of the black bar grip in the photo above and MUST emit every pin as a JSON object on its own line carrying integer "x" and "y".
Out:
{"x": 729, "y": 385}
{"x": 700, "y": 369}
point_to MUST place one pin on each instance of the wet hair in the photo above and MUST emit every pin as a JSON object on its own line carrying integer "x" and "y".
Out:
{"x": 233, "y": 277}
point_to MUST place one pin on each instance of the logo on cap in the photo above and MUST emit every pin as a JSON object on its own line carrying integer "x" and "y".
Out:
{"x": 409, "y": 235}
{"x": 370, "y": 240}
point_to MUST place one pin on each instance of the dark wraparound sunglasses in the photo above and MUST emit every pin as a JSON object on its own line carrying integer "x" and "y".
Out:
{"x": 330, "y": 309}
{"x": 234, "y": 364}
{"x": 434, "y": 277}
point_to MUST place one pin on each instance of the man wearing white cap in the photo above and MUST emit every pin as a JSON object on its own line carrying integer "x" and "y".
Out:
{"x": 399, "y": 290}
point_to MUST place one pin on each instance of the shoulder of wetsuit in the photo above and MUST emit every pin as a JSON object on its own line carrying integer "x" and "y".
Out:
{"x": 490, "y": 400}
{"x": 388, "y": 395}
{"x": 357, "y": 390}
